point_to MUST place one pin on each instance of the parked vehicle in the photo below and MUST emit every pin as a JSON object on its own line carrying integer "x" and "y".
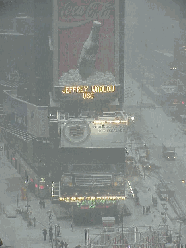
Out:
{"x": 168, "y": 152}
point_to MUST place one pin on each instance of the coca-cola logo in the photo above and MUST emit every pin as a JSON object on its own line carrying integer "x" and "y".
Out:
{"x": 84, "y": 13}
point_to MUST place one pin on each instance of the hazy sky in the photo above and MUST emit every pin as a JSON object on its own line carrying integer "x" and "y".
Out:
{"x": 153, "y": 24}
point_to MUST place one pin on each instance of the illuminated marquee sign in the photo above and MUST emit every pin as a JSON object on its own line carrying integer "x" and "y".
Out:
{"x": 89, "y": 91}
{"x": 81, "y": 198}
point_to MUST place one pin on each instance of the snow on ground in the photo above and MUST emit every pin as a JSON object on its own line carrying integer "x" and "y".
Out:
{"x": 16, "y": 233}
{"x": 157, "y": 128}
{"x": 19, "y": 235}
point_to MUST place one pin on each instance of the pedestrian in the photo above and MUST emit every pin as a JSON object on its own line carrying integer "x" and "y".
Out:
{"x": 85, "y": 236}
{"x": 1, "y": 242}
{"x": 72, "y": 226}
{"x": 51, "y": 236}
{"x": 29, "y": 223}
{"x": 40, "y": 203}
{"x": 147, "y": 210}
{"x": 57, "y": 242}
{"x": 62, "y": 244}
{"x": 44, "y": 234}
{"x": 50, "y": 217}
{"x": 143, "y": 210}
{"x": 65, "y": 244}
{"x": 43, "y": 204}
{"x": 34, "y": 219}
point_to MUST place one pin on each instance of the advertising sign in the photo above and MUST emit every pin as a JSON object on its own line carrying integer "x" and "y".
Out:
{"x": 73, "y": 21}
{"x": 87, "y": 92}
{"x": 82, "y": 133}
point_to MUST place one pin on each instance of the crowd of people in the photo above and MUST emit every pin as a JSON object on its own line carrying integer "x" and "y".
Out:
{"x": 61, "y": 244}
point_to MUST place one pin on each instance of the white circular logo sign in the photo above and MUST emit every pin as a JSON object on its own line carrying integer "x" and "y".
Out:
{"x": 76, "y": 131}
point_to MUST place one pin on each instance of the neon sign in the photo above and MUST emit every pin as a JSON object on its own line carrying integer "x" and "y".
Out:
{"x": 88, "y": 91}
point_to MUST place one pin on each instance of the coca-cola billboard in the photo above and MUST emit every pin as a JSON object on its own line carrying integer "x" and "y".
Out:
{"x": 73, "y": 21}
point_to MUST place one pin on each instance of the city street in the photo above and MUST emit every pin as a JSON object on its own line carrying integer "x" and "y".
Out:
{"x": 17, "y": 234}
{"x": 156, "y": 128}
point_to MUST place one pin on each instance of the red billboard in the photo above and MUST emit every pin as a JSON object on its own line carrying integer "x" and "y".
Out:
{"x": 73, "y": 20}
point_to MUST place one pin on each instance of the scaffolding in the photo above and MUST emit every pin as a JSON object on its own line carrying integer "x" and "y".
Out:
{"x": 137, "y": 237}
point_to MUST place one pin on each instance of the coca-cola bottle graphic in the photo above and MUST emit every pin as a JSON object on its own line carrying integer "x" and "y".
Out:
{"x": 86, "y": 63}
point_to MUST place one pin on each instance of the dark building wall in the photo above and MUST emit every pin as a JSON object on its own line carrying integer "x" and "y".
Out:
{"x": 43, "y": 54}
{"x": 16, "y": 55}
{"x": 121, "y": 46}
{"x": 28, "y": 54}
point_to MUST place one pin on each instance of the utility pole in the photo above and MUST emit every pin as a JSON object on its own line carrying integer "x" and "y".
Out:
{"x": 122, "y": 227}
{"x": 27, "y": 205}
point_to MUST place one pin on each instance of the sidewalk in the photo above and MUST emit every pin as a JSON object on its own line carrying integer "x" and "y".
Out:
{"x": 147, "y": 188}
{"x": 17, "y": 234}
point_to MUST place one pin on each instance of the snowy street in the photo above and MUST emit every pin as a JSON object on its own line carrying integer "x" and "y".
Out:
{"x": 157, "y": 128}
{"x": 17, "y": 234}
